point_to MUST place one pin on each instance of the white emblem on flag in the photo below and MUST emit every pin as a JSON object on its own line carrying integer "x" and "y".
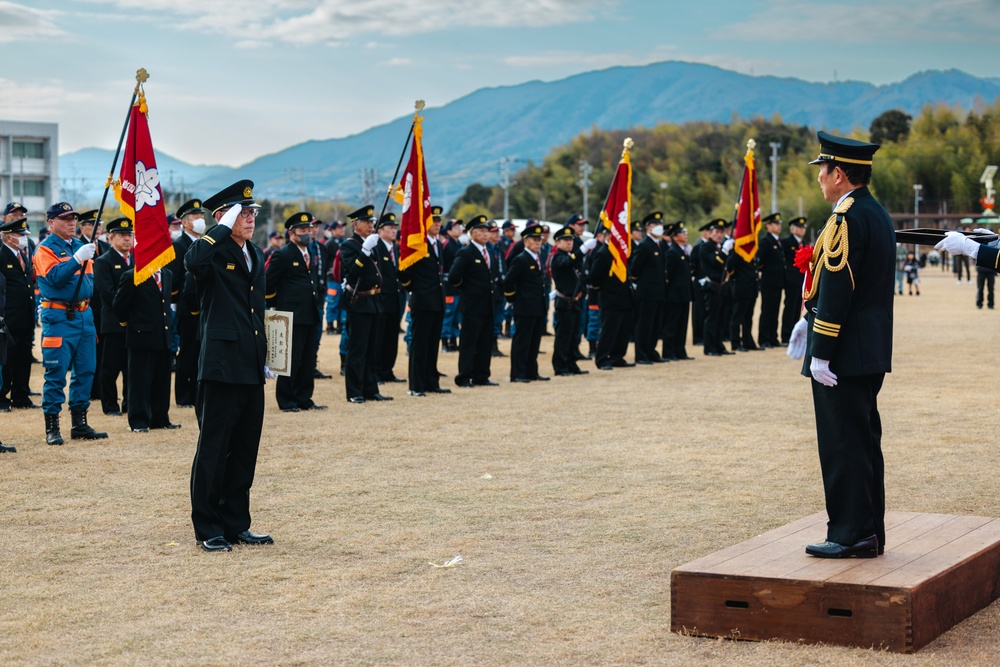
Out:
{"x": 408, "y": 193}
{"x": 147, "y": 186}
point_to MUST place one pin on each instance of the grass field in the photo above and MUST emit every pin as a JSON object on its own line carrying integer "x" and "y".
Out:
{"x": 569, "y": 501}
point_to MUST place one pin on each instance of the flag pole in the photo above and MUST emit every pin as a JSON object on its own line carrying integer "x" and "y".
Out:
{"x": 140, "y": 77}
{"x": 418, "y": 106}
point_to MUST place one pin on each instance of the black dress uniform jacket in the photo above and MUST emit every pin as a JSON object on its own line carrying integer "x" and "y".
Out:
{"x": 524, "y": 287}
{"x": 476, "y": 282}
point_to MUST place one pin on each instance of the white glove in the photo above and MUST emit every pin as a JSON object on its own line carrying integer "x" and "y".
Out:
{"x": 982, "y": 230}
{"x": 229, "y": 217}
{"x": 588, "y": 246}
{"x": 369, "y": 244}
{"x": 85, "y": 253}
{"x": 728, "y": 245}
{"x": 957, "y": 243}
{"x": 703, "y": 281}
{"x": 552, "y": 295}
{"x": 820, "y": 369}
{"x": 797, "y": 341}
{"x": 268, "y": 373}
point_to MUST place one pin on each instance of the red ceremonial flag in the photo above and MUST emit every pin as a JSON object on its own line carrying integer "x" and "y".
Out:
{"x": 415, "y": 197}
{"x": 616, "y": 212}
{"x": 138, "y": 192}
{"x": 747, "y": 209}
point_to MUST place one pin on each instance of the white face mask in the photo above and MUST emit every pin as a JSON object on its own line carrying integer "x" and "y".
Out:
{"x": 198, "y": 226}
{"x": 103, "y": 237}
{"x": 174, "y": 235}
{"x": 657, "y": 230}
{"x": 22, "y": 242}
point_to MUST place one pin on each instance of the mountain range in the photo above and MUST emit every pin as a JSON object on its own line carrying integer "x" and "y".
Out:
{"x": 465, "y": 139}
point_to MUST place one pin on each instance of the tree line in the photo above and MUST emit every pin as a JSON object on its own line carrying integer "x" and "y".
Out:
{"x": 692, "y": 171}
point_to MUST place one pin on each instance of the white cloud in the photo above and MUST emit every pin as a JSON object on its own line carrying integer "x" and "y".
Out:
{"x": 20, "y": 23}
{"x": 829, "y": 28}
{"x": 399, "y": 62}
{"x": 37, "y": 101}
{"x": 336, "y": 21}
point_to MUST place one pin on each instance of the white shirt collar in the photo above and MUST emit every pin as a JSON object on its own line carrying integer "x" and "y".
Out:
{"x": 534, "y": 256}
{"x": 845, "y": 196}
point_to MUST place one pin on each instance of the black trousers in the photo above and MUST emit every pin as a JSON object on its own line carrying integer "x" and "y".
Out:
{"x": 475, "y": 346}
{"x": 567, "y": 338}
{"x": 17, "y": 370}
{"x": 296, "y": 390}
{"x": 114, "y": 362}
{"x": 849, "y": 431}
{"x": 425, "y": 329}
{"x": 388, "y": 344}
{"x": 698, "y": 308}
{"x": 186, "y": 375}
{"x": 984, "y": 278}
{"x": 712, "y": 330}
{"x": 524, "y": 346}
{"x": 616, "y": 326}
{"x": 148, "y": 388}
{"x": 675, "y": 325}
{"x": 793, "y": 310}
{"x": 231, "y": 419}
{"x": 362, "y": 355}
{"x": 741, "y": 322}
{"x": 648, "y": 324}
{"x": 767, "y": 323}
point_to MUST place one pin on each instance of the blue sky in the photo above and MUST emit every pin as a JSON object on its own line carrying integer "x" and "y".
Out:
{"x": 235, "y": 79}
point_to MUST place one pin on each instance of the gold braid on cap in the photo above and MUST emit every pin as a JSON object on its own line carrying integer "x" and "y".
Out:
{"x": 831, "y": 248}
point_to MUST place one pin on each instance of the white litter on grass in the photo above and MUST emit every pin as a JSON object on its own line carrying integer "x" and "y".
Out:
{"x": 486, "y": 475}
{"x": 452, "y": 563}
{"x": 171, "y": 544}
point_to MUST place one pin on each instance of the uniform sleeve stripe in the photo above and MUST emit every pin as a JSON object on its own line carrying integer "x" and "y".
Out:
{"x": 827, "y": 325}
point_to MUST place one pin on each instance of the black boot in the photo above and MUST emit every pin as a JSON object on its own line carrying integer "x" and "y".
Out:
{"x": 5, "y": 449}
{"x": 81, "y": 429}
{"x": 329, "y": 329}
{"x": 591, "y": 347}
{"x": 52, "y": 434}
{"x": 496, "y": 349}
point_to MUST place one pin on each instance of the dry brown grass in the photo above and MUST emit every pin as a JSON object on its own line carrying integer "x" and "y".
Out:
{"x": 600, "y": 486}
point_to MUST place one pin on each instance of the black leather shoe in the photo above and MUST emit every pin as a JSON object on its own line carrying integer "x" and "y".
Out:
{"x": 541, "y": 378}
{"x": 356, "y": 399}
{"x": 418, "y": 394}
{"x": 379, "y": 397}
{"x": 726, "y": 352}
{"x": 563, "y": 374}
{"x": 644, "y": 362}
{"x": 215, "y": 544}
{"x": 141, "y": 429}
{"x": 467, "y": 384}
{"x": 4, "y": 408}
{"x": 113, "y": 413}
{"x": 246, "y": 537}
{"x": 606, "y": 367}
{"x": 580, "y": 371}
{"x": 713, "y": 354}
{"x": 315, "y": 406}
{"x": 7, "y": 449}
{"x": 395, "y": 379}
{"x": 27, "y": 405}
{"x": 866, "y": 548}
{"x": 320, "y": 375}
{"x": 486, "y": 383}
{"x": 622, "y": 364}
{"x": 185, "y": 405}
{"x": 170, "y": 426}
{"x": 524, "y": 380}
{"x": 439, "y": 390}
{"x": 293, "y": 408}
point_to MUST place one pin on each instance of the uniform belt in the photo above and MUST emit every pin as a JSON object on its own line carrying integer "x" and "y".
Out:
{"x": 568, "y": 298}
{"x": 371, "y": 292}
{"x": 64, "y": 305}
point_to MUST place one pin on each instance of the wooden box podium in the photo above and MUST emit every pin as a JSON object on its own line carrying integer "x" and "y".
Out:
{"x": 937, "y": 570}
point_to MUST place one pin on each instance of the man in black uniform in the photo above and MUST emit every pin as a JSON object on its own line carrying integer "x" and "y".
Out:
{"x": 499, "y": 302}
{"x": 229, "y": 269}
{"x": 849, "y": 348}
{"x": 615, "y": 301}
{"x": 15, "y": 266}
{"x": 108, "y": 271}
{"x": 648, "y": 271}
{"x": 386, "y": 256}
{"x": 363, "y": 285}
{"x": 793, "y": 277}
{"x": 474, "y": 274}
{"x": 567, "y": 274}
{"x": 422, "y": 280}
{"x": 697, "y": 294}
{"x": 679, "y": 284}
{"x": 146, "y": 310}
{"x": 524, "y": 287}
{"x": 743, "y": 282}
{"x": 771, "y": 261}
{"x": 292, "y": 286}
{"x": 89, "y": 227}
{"x": 713, "y": 268}
{"x": 185, "y": 307}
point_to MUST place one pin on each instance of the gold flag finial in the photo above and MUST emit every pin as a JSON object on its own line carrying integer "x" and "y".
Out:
{"x": 628, "y": 143}
{"x": 141, "y": 75}
{"x": 419, "y": 105}
{"x": 751, "y": 145}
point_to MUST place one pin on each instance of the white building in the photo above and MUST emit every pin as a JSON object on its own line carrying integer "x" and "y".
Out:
{"x": 29, "y": 166}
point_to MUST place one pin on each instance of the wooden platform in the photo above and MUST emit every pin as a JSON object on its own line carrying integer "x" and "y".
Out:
{"x": 937, "y": 570}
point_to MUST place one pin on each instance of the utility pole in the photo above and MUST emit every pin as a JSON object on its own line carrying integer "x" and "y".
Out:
{"x": 775, "y": 145}
{"x": 916, "y": 204}
{"x": 369, "y": 185}
{"x": 584, "y": 182}
{"x": 505, "y": 184}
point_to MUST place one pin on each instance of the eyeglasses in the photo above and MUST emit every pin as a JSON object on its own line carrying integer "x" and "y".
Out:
{"x": 248, "y": 212}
